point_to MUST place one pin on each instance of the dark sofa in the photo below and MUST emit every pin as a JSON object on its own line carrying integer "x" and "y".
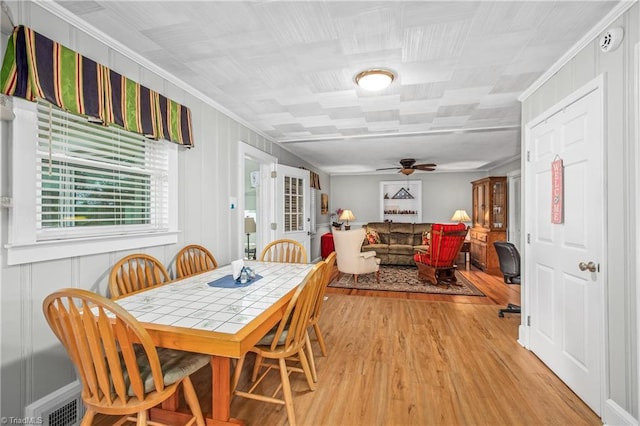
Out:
{"x": 398, "y": 241}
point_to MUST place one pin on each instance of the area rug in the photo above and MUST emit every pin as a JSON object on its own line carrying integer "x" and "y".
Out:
{"x": 404, "y": 278}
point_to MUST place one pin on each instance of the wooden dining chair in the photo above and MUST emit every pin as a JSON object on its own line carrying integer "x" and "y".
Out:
{"x": 284, "y": 250}
{"x": 283, "y": 342}
{"x": 194, "y": 259}
{"x": 136, "y": 272}
{"x": 121, "y": 371}
{"x": 314, "y": 320}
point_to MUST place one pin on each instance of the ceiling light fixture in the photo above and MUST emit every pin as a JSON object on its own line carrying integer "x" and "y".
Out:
{"x": 374, "y": 80}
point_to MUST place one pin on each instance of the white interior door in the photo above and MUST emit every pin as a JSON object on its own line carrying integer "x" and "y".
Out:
{"x": 514, "y": 229}
{"x": 566, "y": 298}
{"x": 293, "y": 205}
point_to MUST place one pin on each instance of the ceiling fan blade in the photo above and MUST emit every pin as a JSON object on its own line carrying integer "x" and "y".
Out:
{"x": 422, "y": 166}
{"x": 390, "y": 168}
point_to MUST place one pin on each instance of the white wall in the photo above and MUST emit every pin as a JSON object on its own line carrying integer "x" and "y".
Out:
{"x": 33, "y": 364}
{"x": 621, "y": 278}
{"x": 442, "y": 194}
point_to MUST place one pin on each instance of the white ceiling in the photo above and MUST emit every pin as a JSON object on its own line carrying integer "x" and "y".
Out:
{"x": 287, "y": 69}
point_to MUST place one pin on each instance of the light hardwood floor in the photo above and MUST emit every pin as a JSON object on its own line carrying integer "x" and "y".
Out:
{"x": 399, "y": 359}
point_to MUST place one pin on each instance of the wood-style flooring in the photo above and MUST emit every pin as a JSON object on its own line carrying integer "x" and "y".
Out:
{"x": 420, "y": 359}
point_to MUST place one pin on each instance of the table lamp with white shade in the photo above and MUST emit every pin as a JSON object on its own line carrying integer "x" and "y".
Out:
{"x": 249, "y": 228}
{"x": 347, "y": 215}
{"x": 460, "y": 216}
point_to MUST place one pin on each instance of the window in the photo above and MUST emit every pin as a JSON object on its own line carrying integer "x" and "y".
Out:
{"x": 293, "y": 204}
{"x": 86, "y": 183}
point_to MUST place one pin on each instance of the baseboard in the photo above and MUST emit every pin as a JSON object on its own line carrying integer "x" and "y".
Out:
{"x": 613, "y": 414}
{"x": 523, "y": 336}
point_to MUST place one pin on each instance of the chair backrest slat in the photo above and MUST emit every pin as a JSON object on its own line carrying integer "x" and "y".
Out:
{"x": 101, "y": 339}
{"x": 136, "y": 272}
{"x": 298, "y": 313}
{"x": 284, "y": 251}
{"x": 194, "y": 259}
{"x": 94, "y": 329}
{"x": 111, "y": 354}
{"x": 330, "y": 262}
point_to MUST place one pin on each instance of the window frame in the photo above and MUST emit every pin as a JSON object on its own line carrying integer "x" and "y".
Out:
{"x": 23, "y": 245}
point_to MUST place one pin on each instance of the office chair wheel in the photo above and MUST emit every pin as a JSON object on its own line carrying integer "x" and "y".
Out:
{"x": 510, "y": 309}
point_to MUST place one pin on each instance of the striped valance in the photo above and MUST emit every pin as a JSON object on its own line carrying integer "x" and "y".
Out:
{"x": 37, "y": 67}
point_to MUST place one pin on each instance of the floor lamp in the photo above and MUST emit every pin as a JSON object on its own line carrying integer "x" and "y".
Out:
{"x": 249, "y": 228}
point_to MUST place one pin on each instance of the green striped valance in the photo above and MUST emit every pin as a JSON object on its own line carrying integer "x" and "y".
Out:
{"x": 37, "y": 67}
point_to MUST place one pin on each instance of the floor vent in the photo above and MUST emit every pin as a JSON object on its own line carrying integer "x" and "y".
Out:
{"x": 63, "y": 407}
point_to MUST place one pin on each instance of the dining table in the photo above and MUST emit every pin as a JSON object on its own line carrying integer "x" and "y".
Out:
{"x": 214, "y": 314}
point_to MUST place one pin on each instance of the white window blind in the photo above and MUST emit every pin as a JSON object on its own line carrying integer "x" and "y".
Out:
{"x": 96, "y": 180}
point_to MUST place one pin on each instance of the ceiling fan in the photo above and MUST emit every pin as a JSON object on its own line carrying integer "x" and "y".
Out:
{"x": 409, "y": 166}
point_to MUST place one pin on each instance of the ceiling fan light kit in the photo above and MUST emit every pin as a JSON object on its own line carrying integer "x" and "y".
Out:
{"x": 375, "y": 80}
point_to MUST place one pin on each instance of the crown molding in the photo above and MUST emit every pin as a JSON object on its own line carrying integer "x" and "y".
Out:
{"x": 89, "y": 29}
{"x": 609, "y": 18}
{"x": 399, "y": 134}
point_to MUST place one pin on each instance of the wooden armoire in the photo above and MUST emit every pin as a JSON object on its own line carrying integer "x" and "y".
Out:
{"x": 489, "y": 222}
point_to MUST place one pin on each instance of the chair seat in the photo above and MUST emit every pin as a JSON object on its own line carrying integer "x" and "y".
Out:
{"x": 268, "y": 338}
{"x": 175, "y": 366}
{"x": 401, "y": 249}
{"x": 378, "y": 248}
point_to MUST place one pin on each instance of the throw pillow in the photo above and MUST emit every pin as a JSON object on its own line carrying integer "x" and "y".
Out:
{"x": 426, "y": 238}
{"x": 421, "y": 257}
{"x": 373, "y": 237}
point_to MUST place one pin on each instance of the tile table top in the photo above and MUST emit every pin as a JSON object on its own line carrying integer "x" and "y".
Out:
{"x": 191, "y": 303}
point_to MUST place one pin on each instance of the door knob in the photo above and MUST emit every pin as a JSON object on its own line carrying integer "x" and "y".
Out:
{"x": 591, "y": 267}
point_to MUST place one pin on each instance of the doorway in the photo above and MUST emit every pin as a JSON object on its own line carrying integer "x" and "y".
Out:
{"x": 514, "y": 229}
{"x": 256, "y": 200}
{"x": 564, "y": 250}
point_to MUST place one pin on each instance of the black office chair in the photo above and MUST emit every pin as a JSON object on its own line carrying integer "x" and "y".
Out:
{"x": 510, "y": 266}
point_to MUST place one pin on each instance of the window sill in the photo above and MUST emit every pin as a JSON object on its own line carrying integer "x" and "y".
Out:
{"x": 62, "y": 249}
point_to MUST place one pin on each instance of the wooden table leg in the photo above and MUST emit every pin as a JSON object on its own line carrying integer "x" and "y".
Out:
{"x": 220, "y": 399}
{"x": 220, "y": 389}
{"x": 221, "y": 392}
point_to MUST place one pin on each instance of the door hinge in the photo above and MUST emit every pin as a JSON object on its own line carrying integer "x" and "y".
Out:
{"x": 274, "y": 226}
{"x": 6, "y": 202}
{"x": 274, "y": 174}
{"x": 528, "y": 238}
{"x": 528, "y": 320}
{"x": 528, "y": 155}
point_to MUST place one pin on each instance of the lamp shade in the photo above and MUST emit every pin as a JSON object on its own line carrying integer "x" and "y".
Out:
{"x": 347, "y": 215}
{"x": 460, "y": 216}
{"x": 249, "y": 225}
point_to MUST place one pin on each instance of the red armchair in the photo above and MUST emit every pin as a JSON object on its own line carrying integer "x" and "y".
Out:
{"x": 437, "y": 264}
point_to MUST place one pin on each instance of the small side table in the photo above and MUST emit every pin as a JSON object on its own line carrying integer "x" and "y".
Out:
{"x": 466, "y": 247}
{"x": 326, "y": 245}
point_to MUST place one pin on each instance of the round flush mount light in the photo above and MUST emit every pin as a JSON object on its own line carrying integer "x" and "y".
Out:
{"x": 374, "y": 80}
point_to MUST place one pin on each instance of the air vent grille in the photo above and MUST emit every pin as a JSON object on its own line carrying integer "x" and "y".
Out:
{"x": 63, "y": 407}
{"x": 66, "y": 415}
